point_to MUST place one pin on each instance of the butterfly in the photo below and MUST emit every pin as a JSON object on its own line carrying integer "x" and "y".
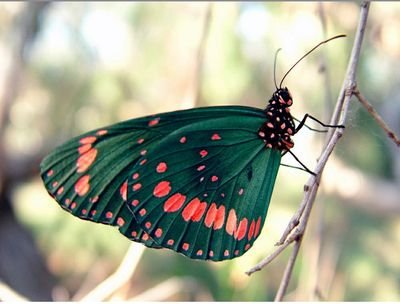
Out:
{"x": 195, "y": 181}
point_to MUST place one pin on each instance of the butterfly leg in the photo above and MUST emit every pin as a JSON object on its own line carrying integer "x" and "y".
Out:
{"x": 308, "y": 127}
{"x": 303, "y": 121}
{"x": 299, "y": 161}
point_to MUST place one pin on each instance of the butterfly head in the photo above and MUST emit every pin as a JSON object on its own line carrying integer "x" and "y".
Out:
{"x": 282, "y": 97}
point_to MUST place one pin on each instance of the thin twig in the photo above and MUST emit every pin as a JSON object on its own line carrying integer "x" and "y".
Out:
{"x": 339, "y": 116}
{"x": 376, "y": 116}
{"x": 299, "y": 221}
{"x": 168, "y": 288}
{"x": 268, "y": 259}
{"x": 122, "y": 275}
{"x": 347, "y": 89}
{"x": 288, "y": 271}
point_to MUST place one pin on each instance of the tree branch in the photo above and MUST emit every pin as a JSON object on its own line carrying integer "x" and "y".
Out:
{"x": 288, "y": 271}
{"x": 338, "y": 117}
{"x": 300, "y": 219}
{"x": 122, "y": 275}
{"x": 376, "y": 116}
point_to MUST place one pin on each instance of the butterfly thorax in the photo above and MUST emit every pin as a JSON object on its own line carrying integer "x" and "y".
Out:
{"x": 277, "y": 130}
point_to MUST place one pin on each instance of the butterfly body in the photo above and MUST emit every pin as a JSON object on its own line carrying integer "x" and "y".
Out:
{"x": 196, "y": 181}
{"x": 278, "y": 129}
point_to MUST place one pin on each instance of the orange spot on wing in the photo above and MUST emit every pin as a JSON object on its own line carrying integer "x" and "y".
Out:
{"x": 194, "y": 210}
{"x": 190, "y": 209}
{"x": 120, "y": 222}
{"x": 215, "y": 137}
{"x": 158, "y": 232}
{"x": 124, "y": 190}
{"x": 84, "y": 148}
{"x": 86, "y": 160}
{"x": 215, "y": 217}
{"x": 241, "y": 230}
{"x": 101, "y": 132}
{"x": 185, "y": 246}
{"x": 154, "y": 121}
{"x": 136, "y": 186}
{"x": 82, "y": 186}
{"x": 214, "y": 178}
{"x": 258, "y": 226}
{"x": 210, "y": 216}
{"x": 161, "y": 167}
{"x": 174, "y": 203}
{"x": 199, "y": 212}
{"x": 60, "y": 190}
{"x": 88, "y": 140}
{"x": 231, "y": 222}
{"x": 162, "y": 189}
{"x": 182, "y": 140}
{"x": 219, "y": 218}
{"x": 251, "y": 230}
{"x": 203, "y": 153}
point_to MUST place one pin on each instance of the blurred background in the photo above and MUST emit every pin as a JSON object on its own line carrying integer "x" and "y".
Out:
{"x": 67, "y": 68}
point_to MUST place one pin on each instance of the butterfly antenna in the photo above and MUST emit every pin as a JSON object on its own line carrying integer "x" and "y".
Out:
{"x": 310, "y": 51}
{"x": 276, "y": 55}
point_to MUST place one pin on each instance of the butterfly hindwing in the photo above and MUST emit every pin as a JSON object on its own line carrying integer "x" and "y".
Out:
{"x": 88, "y": 175}
{"x": 204, "y": 190}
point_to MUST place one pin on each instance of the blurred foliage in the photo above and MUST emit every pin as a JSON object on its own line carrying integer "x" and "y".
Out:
{"x": 94, "y": 64}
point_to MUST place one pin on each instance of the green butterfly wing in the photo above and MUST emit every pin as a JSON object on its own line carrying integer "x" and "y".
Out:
{"x": 88, "y": 175}
{"x": 204, "y": 190}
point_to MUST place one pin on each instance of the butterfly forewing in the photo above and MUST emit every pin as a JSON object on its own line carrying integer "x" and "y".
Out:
{"x": 204, "y": 190}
